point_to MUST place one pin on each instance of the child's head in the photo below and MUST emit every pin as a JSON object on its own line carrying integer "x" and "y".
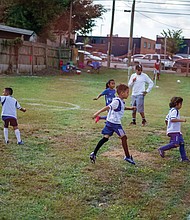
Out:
{"x": 175, "y": 101}
{"x": 122, "y": 91}
{"x": 110, "y": 84}
{"x": 7, "y": 91}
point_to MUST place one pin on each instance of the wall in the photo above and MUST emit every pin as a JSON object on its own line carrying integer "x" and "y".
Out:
{"x": 31, "y": 57}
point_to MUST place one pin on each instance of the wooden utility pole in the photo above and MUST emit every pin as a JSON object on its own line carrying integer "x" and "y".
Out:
{"x": 70, "y": 22}
{"x": 130, "y": 45}
{"x": 111, "y": 34}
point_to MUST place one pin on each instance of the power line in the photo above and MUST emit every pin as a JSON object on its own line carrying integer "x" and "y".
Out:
{"x": 161, "y": 22}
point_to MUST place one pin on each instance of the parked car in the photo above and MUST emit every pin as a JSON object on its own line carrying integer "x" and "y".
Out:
{"x": 176, "y": 57}
{"x": 182, "y": 65}
{"x": 134, "y": 58}
{"x": 149, "y": 59}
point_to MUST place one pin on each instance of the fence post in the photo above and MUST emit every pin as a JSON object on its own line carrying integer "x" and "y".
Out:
{"x": 32, "y": 59}
{"x": 187, "y": 71}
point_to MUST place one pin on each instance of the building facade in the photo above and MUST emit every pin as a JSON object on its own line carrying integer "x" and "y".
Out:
{"x": 119, "y": 44}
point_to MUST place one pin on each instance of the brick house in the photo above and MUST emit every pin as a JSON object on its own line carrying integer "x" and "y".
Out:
{"x": 119, "y": 44}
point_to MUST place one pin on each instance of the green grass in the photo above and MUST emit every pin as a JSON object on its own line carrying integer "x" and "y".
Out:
{"x": 51, "y": 177}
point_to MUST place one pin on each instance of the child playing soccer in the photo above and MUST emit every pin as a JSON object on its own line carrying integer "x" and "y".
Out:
{"x": 173, "y": 122}
{"x": 113, "y": 123}
{"x": 109, "y": 94}
{"x": 9, "y": 115}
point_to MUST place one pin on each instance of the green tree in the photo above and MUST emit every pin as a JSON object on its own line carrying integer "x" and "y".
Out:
{"x": 45, "y": 16}
{"x": 174, "y": 41}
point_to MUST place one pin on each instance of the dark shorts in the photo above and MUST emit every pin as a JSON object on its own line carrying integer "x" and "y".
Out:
{"x": 9, "y": 121}
{"x": 110, "y": 128}
{"x": 176, "y": 138}
{"x": 138, "y": 101}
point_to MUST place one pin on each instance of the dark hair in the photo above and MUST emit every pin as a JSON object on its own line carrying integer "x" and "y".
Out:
{"x": 138, "y": 67}
{"x": 175, "y": 101}
{"x": 9, "y": 90}
{"x": 121, "y": 88}
{"x": 108, "y": 82}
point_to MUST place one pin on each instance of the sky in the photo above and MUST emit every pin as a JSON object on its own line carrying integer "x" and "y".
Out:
{"x": 150, "y": 19}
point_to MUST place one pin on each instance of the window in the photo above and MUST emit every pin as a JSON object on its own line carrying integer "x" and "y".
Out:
{"x": 145, "y": 44}
{"x": 149, "y": 45}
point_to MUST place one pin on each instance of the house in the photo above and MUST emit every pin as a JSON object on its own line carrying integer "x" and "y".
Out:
{"x": 119, "y": 44}
{"x": 7, "y": 32}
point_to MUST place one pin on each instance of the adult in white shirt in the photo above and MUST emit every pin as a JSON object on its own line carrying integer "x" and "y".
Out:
{"x": 138, "y": 82}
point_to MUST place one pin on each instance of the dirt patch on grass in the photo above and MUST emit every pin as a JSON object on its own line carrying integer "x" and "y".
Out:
{"x": 118, "y": 154}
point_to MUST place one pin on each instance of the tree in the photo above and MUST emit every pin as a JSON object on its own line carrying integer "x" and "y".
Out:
{"x": 174, "y": 41}
{"x": 83, "y": 17}
{"x": 45, "y": 16}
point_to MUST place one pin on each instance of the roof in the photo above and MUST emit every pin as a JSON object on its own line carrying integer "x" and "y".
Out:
{"x": 16, "y": 30}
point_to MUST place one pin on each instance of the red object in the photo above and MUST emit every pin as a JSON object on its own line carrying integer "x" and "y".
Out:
{"x": 97, "y": 119}
{"x": 60, "y": 63}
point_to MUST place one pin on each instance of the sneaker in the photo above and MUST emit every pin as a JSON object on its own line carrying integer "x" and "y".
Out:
{"x": 144, "y": 122}
{"x": 97, "y": 119}
{"x": 6, "y": 142}
{"x": 130, "y": 160}
{"x": 185, "y": 160}
{"x": 92, "y": 157}
{"x": 133, "y": 123}
{"x": 20, "y": 143}
{"x": 161, "y": 152}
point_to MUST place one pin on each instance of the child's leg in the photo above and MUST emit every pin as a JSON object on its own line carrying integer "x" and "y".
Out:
{"x": 17, "y": 134}
{"x": 100, "y": 143}
{"x": 174, "y": 142}
{"x": 127, "y": 157}
{"x": 182, "y": 148}
{"x": 6, "y": 134}
{"x": 125, "y": 145}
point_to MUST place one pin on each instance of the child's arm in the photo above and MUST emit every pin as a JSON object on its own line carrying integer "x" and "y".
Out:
{"x": 100, "y": 111}
{"x": 22, "y": 109}
{"x": 97, "y": 97}
{"x": 178, "y": 120}
{"x": 131, "y": 108}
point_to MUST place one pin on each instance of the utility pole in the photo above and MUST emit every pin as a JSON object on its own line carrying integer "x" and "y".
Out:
{"x": 130, "y": 45}
{"x": 111, "y": 34}
{"x": 70, "y": 23}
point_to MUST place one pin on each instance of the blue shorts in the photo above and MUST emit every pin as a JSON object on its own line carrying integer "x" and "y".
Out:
{"x": 138, "y": 101}
{"x": 110, "y": 128}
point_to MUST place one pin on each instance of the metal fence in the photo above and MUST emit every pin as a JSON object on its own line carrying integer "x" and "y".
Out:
{"x": 30, "y": 57}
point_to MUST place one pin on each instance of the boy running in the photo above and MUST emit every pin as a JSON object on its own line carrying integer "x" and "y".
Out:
{"x": 9, "y": 114}
{"x": 113, "y": 122}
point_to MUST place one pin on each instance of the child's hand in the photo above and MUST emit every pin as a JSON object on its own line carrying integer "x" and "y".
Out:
{"x": 94, "y": 116}
{"x": 133, "y": 108}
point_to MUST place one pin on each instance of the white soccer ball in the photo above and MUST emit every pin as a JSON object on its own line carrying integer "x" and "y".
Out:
{"x": 88, "y": 71}
{"x": 178, "y": 81}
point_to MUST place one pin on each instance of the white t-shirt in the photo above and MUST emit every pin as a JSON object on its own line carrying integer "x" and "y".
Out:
{"x": 173, "y": 126}
{"x": 9, "y": 106}
{"x": 139, "y": 85}
{"x": 116, "y": 111}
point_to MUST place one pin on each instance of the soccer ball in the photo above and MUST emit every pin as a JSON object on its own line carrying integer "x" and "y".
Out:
{"x": 178, "y": 81}
{"x": 88, "y": 71}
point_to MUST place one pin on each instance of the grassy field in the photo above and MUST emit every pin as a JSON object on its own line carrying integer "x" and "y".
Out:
{"x": 51, "y": 177}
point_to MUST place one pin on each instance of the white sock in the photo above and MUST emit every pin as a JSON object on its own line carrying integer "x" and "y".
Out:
{"x": 17, "y": 133}
{"x": 6, "y": 133}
